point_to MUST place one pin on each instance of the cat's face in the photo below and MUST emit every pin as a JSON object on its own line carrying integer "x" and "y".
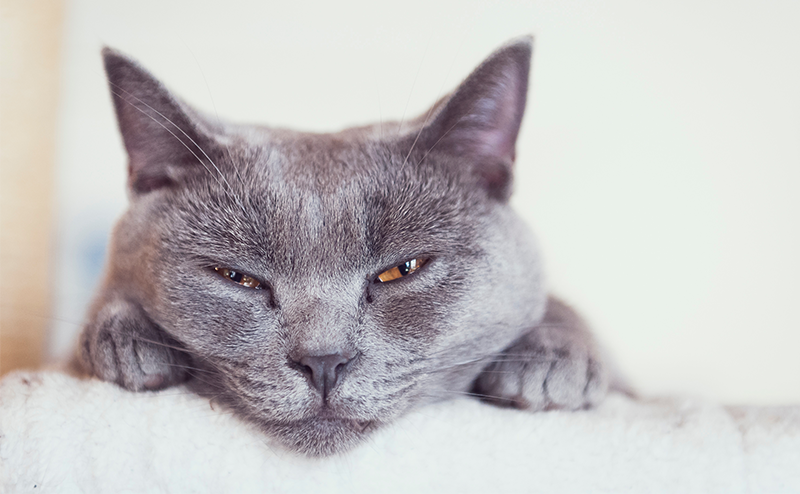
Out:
{"x": 323, "y": 284}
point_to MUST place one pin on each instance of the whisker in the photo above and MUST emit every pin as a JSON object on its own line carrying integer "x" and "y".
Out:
{"x": 466, "y": 362}
{"x": 176, "y": 391}
{"x": 492, "y": 359}
{"x": 413, "y": 84}
{"x": 447, "y": 132}
{"x": 189, "y": 367}
{"x": 39, "y": 316}
{"x": 157, "y": 343}
{"x": 436, "y": 355}
{"x": 165, "y": 128}
{"x": 222, "y": 176}
{"x": 475, "y": 395}
{"x": 216, "y": 113}
{"x": 380, "y": 110}
{"x": 419, "y": 133}
{"x": 213, "y": 385}
{"x": 465, "y": 393}
{"x": 430, "y": 110}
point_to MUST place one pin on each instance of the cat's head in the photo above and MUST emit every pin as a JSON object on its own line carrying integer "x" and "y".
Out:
{"x": 323, "y": 284}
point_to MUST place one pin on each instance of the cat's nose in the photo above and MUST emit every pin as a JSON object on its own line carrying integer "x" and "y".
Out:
{"x": 324, "y": 371}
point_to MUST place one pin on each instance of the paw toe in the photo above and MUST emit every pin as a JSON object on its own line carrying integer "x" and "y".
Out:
{"x": 566, "y": 382}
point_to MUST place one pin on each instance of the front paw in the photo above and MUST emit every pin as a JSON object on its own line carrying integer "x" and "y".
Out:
{"x": 554, "y": 365}
{"x": 121, "y": 344}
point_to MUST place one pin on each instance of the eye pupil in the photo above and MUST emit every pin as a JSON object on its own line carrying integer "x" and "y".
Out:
{"x": 240, "y": 278}
{"x": 405, "y": 268}
{"x": 401, "y": 270}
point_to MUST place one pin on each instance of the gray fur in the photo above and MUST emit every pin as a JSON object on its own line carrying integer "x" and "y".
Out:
{"x": 316, "y": 217}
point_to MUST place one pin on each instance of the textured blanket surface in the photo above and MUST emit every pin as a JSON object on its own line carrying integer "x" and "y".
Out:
{"x": 63, "y": 434}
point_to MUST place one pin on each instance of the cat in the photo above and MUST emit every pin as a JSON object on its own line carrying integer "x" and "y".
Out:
{"x": 321, "y": 285}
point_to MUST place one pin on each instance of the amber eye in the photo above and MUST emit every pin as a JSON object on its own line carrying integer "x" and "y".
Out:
{"x": 404, "y": 269}
{"x": 240, "y": 278}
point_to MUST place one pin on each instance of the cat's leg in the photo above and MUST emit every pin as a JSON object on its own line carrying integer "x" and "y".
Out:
{"x": 554, "y": 365}
{"x": 122, "y": 345}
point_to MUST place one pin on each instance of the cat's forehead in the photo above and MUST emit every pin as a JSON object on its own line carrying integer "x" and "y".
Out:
{"x": 355, "y": 168}
{"x": 328, "y": 197}
{"x": 319, "y": 163}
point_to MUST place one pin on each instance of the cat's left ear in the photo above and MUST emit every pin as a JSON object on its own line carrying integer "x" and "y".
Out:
{"x": 481, "y": 119}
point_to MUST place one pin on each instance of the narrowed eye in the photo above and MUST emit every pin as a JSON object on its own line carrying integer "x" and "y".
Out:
{"x": 404, "y": 269}
{"x": 240, "y": 278}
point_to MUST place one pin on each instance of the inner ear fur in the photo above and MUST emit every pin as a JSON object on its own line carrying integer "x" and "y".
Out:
{"x": 480, "y": 120}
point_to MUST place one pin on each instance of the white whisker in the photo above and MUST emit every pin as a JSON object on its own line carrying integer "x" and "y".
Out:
{"x": 413, "y": 84}
{"x": 225, "y": 180}
{"x": 216, "y": 114}
{"x": 430, "y": 111}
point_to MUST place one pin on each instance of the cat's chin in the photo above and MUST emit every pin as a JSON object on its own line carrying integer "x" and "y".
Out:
{"x": 319, "y": 436}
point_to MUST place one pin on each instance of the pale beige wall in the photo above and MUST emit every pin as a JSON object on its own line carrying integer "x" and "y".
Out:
{"x": 657, "y": 163}
{"x": 30, "y": 35}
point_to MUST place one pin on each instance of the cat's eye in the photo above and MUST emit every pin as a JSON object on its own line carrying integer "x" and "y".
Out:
{"x": 240, "y": 278}
{"x": 402, "y": 270}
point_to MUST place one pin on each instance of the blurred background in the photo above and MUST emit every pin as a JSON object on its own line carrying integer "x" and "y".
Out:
{"x": 659, "y": 161}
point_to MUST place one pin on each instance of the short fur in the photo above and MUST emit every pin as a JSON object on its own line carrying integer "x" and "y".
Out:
{"x": 315, "y": 218}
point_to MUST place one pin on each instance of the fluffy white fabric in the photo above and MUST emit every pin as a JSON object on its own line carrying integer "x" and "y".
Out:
{"x": 62, "y": 434}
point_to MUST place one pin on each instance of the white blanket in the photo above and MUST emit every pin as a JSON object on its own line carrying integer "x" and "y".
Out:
{"x": 62, "y": 434}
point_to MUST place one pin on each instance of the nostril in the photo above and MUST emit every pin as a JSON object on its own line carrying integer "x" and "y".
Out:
{"x": 308, "y": 371}
{"x": 339, "y": 368}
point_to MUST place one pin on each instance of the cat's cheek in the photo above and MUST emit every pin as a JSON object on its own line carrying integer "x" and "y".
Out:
{"x": 419, "y": 310}
{"x": 216, "y": 317}
{"x": 408, "y": 317}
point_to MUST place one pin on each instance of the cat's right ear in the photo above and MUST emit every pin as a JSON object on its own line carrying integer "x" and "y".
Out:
{"x": 165, "y": 139}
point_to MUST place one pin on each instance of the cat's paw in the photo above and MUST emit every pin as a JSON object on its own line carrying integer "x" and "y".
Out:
{"x": 120, "y": 344}
{"x": 555, "y": 365}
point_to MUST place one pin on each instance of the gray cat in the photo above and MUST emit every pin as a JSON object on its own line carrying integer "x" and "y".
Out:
{"x": 322, "y": 285}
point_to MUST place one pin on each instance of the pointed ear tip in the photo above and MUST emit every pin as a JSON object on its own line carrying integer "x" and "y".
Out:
{"x": 119, "y": 66}
{"x": 113, "y": 59}
{"x": 517, "y": 51}
{"x": 109, "y": 53}
{"x": 523, "y": 44}
{"x": 526, "y": 40}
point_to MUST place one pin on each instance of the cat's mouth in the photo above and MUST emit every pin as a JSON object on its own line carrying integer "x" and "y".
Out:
{"x": 322, "y": 435}
{"x": 328, "y": 414}
{"x": 355, "y": 425}
{"x": 360, "y": 425}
